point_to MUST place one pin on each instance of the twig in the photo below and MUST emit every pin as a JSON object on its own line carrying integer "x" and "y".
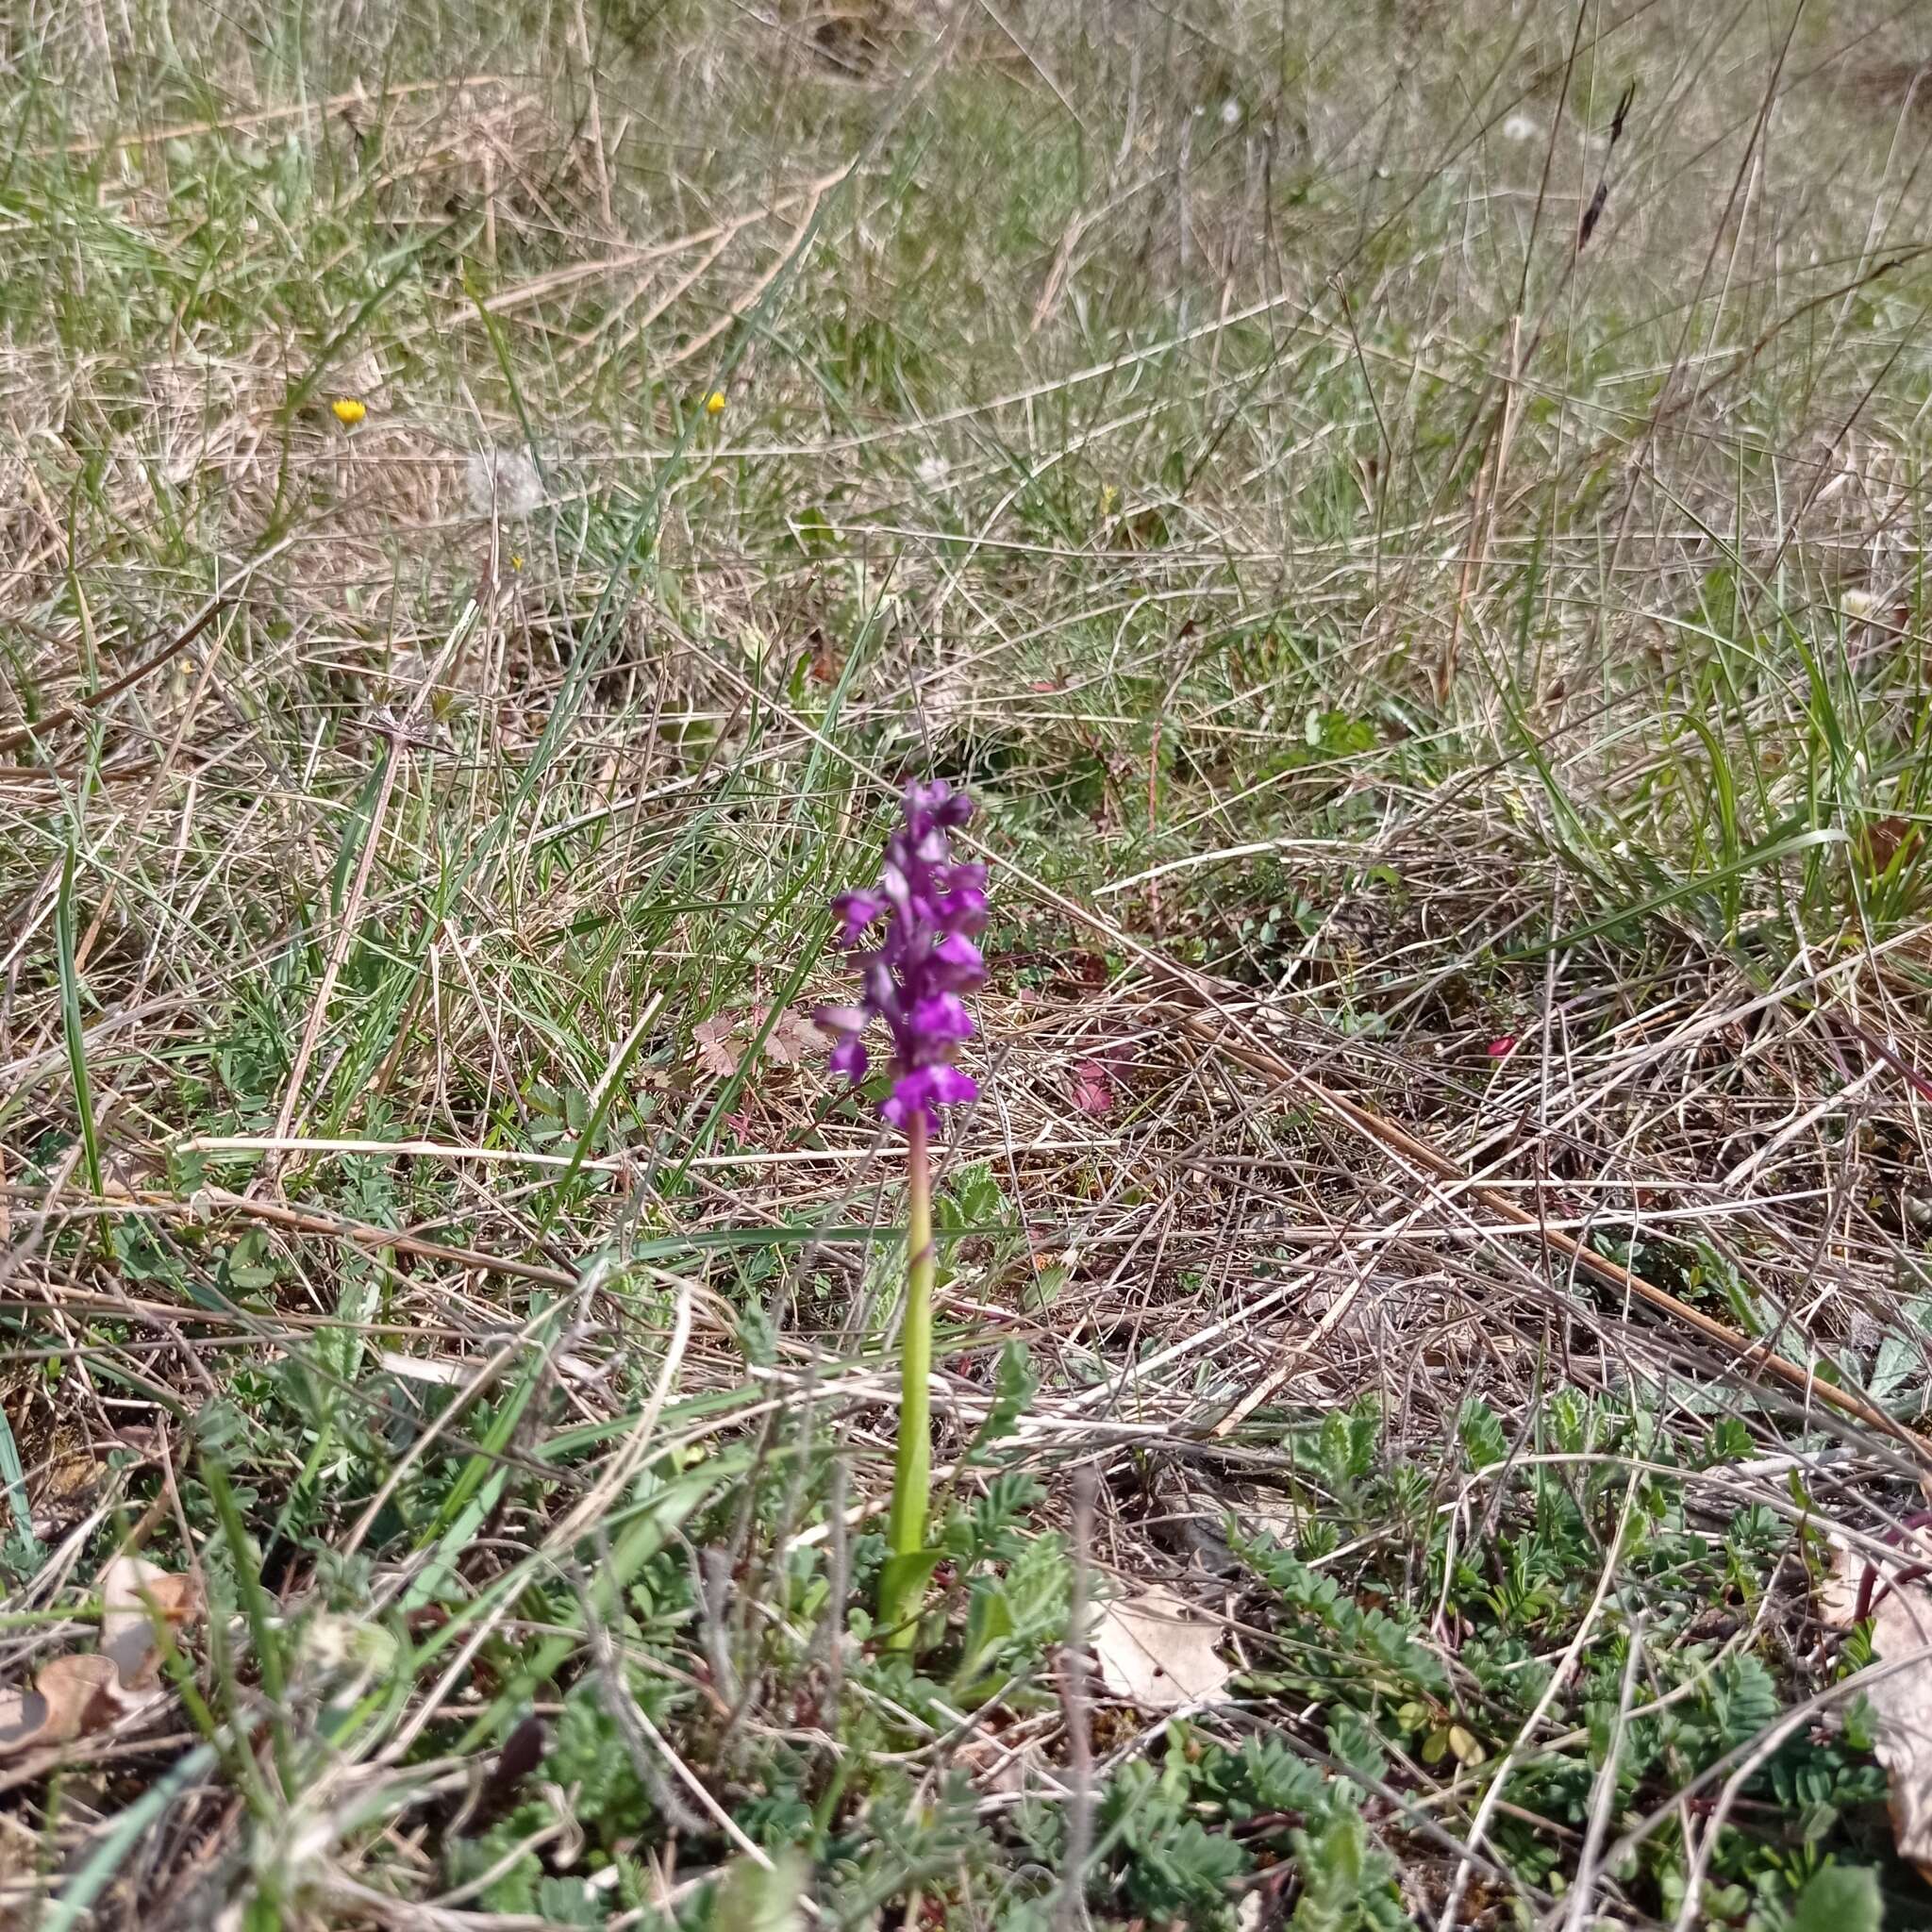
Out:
{"x": 79, "y": 707}
{"x": 364, "y": 1234}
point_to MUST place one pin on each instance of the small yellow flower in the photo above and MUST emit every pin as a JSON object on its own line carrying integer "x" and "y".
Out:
{"x": 516, "y": 563}
{"x": 714, "y": 403}
{"x": 348, "y": 410}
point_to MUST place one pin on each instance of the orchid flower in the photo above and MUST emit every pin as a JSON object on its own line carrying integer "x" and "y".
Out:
{"x": 931, "y": 907}
{"x": 911, "y": 941}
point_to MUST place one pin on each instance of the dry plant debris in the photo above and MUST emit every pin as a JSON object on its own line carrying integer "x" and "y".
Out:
{"x": 1156, "y": 1650}
{"x": 144, "y": 1608}
{"x": 1886, "y": 1594}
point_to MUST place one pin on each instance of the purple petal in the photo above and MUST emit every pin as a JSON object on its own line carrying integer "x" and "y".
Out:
{"x": 855, "y": 910}
{"x": 910, "y": 1094}
{"x": 849, "y": 1058}
{"x": 951, "y": 1088}
{"x": 926, "y": 1090}
{"x": 943, "y": 1016}
{"x": 964, "y": 909}
{"x": 843, "y": 1019}
{"x": 880, "y": 992}
{"x": 955, "y": 964}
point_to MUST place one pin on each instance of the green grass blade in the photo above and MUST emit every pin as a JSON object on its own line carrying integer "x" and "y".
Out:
{"x": 73, "y": 1032}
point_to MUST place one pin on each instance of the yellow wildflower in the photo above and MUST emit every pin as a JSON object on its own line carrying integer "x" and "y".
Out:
{"x": 349, "y": 410}
{"x": 714, "y": 403}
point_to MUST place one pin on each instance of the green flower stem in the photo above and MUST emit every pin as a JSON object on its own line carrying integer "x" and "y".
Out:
{"x": 903, "y": 1585}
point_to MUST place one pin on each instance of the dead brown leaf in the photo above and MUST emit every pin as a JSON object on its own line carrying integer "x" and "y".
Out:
{"x": 1157, "y": 1651}
{"x": 1899, "y": 1603}
{"x": 1093, "y": 1092}
{"x": 86, "y": 1691}
{"x": 724, "y": 1040}
{"x": 1885, "y": 838}
{"x": 72, "y": 1696}
{"x": 793, "y": 1039}
{"x": 717, "y": 1053}
{"x": 138, "y": 1597}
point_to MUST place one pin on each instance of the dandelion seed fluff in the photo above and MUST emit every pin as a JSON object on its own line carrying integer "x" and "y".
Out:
{"x": 503, "y": 483}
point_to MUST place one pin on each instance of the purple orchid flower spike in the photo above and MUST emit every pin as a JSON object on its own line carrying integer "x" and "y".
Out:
{"x": 931, "y": 907}
{"x": 909, "y": 938}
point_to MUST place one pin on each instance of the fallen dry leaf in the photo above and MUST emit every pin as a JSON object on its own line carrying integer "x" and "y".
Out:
{"x": 1268, "y": 1512}
{"x": 792, "y": 1040}
{"x": 725, "y": 1037}
{"x": 1902, "y": 1702}
{"x": 133, "y": 1595}
{"x": 716, "y": 1052}
{"x": 71, "y": 1696}
{"x": 81, "y": 1692}
{"x": 1885, "y": 838}
{"x": 825, "y": 662}
{"x": 1092, "y": 1091}
{"x": 1157, "y": 1651}
{"x": 1899, "y": 1603}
